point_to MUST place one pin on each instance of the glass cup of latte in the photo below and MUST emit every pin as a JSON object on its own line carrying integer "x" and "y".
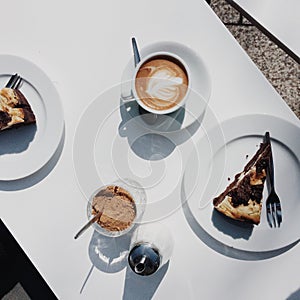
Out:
{"x": 161, "y": 83}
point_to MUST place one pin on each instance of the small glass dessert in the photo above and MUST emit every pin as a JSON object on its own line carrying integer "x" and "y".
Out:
{"x": 122, "y": 205}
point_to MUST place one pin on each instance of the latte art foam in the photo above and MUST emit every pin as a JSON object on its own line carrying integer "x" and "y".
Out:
{"x": 161, "y": 84}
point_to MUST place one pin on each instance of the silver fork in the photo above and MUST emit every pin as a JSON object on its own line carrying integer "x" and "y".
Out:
{"x": 14, "y": 82}
{"x": 274, "y": 214}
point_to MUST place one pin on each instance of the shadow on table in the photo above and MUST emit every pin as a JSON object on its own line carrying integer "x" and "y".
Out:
{"x": 31, "y": 180}
{"x": 152, "y": 136}
{"x": 231, "y": 227}
{"x": 222, "y": 248}
{"x": 17, "y": 140}
{"x": 109, "y": 254}
{"x": 142, "y": 287}
{"x": 294, "y": 296}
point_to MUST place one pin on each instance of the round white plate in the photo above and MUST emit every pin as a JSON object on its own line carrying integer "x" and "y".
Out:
{"x": 25, "y": 150}
{"x": 110, "y": 145}
{"x": 242, "y": 137}
{"x": 200, "y": 91}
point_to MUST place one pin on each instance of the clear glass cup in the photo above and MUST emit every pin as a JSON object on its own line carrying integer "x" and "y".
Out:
{"x": 138, "y": 195}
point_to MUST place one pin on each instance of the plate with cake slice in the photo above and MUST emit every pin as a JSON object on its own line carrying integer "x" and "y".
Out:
{"x": 227, "y": 195}
{"x": 31, "y": 118}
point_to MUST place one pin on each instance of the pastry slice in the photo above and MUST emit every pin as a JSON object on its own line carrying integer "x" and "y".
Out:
{"x": 14, "y": 109}
{"x": 242, "y": 199}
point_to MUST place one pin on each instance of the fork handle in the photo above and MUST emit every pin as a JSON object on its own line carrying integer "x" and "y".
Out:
{"x": 270, "y": 164}
{"x": 12, "y": 80}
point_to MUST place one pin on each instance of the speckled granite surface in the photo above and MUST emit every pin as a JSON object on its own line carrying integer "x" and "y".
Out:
{"x": 280, "y": 69}
{"x": 17, "y": 293}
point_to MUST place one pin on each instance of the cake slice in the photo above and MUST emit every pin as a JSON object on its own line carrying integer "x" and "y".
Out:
{"x": 242, "y": 199}
{"x": 14, "y": 109}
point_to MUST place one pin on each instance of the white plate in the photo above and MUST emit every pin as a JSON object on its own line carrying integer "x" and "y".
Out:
{"x": 25, "y": 150}
{"x": 242, "y": 137}
{"x": 200, "y": 82}
{"x": 109, "y": 146}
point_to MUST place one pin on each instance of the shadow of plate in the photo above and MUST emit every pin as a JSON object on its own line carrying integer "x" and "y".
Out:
{"x": 33, "y": 179}
{"x": 221, "y": 248}
{"x": 294, "y": 296}
{"x": 17, "y": 140}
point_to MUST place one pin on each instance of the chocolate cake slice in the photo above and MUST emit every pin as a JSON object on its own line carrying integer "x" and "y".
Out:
{"x": 242, "y": 199}
{"x": 14, "y": 109}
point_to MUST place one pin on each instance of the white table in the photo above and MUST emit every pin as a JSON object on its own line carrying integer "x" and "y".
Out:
{"x": 83, "y": 47}
{"x": 278, "y": 19}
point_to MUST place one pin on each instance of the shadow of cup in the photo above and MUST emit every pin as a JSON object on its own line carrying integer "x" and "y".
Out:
{"x": 148, "y": 146}
{"x": 143, "y": 287}
{"x": 109, "y": 254}
{"x": 131, "y": 110}
{"x": 147, "y": 133}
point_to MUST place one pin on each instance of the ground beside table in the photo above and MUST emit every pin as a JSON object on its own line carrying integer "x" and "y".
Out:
{"x": 278, "y": 19}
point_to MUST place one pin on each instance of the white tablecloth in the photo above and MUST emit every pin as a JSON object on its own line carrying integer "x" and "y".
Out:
{"x": 84, "y": 47}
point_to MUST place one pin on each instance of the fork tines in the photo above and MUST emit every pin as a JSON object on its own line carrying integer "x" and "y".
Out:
{"x": 274, "y": 214}
{"x": 14, "y": 82}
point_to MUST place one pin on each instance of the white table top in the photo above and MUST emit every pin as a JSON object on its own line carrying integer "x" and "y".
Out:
{"x": 83, "y": 47}
{"x": 279, "y": 17}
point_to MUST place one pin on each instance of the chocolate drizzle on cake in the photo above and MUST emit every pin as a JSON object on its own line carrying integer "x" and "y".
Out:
{"x": 246, "y": 190}
{"x": 4, "y": 119}
{"x": 23, "y": 104}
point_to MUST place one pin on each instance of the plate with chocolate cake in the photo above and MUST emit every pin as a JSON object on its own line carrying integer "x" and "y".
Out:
{"x": 31, "y": 118}
{"x": 227, "y": 194}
